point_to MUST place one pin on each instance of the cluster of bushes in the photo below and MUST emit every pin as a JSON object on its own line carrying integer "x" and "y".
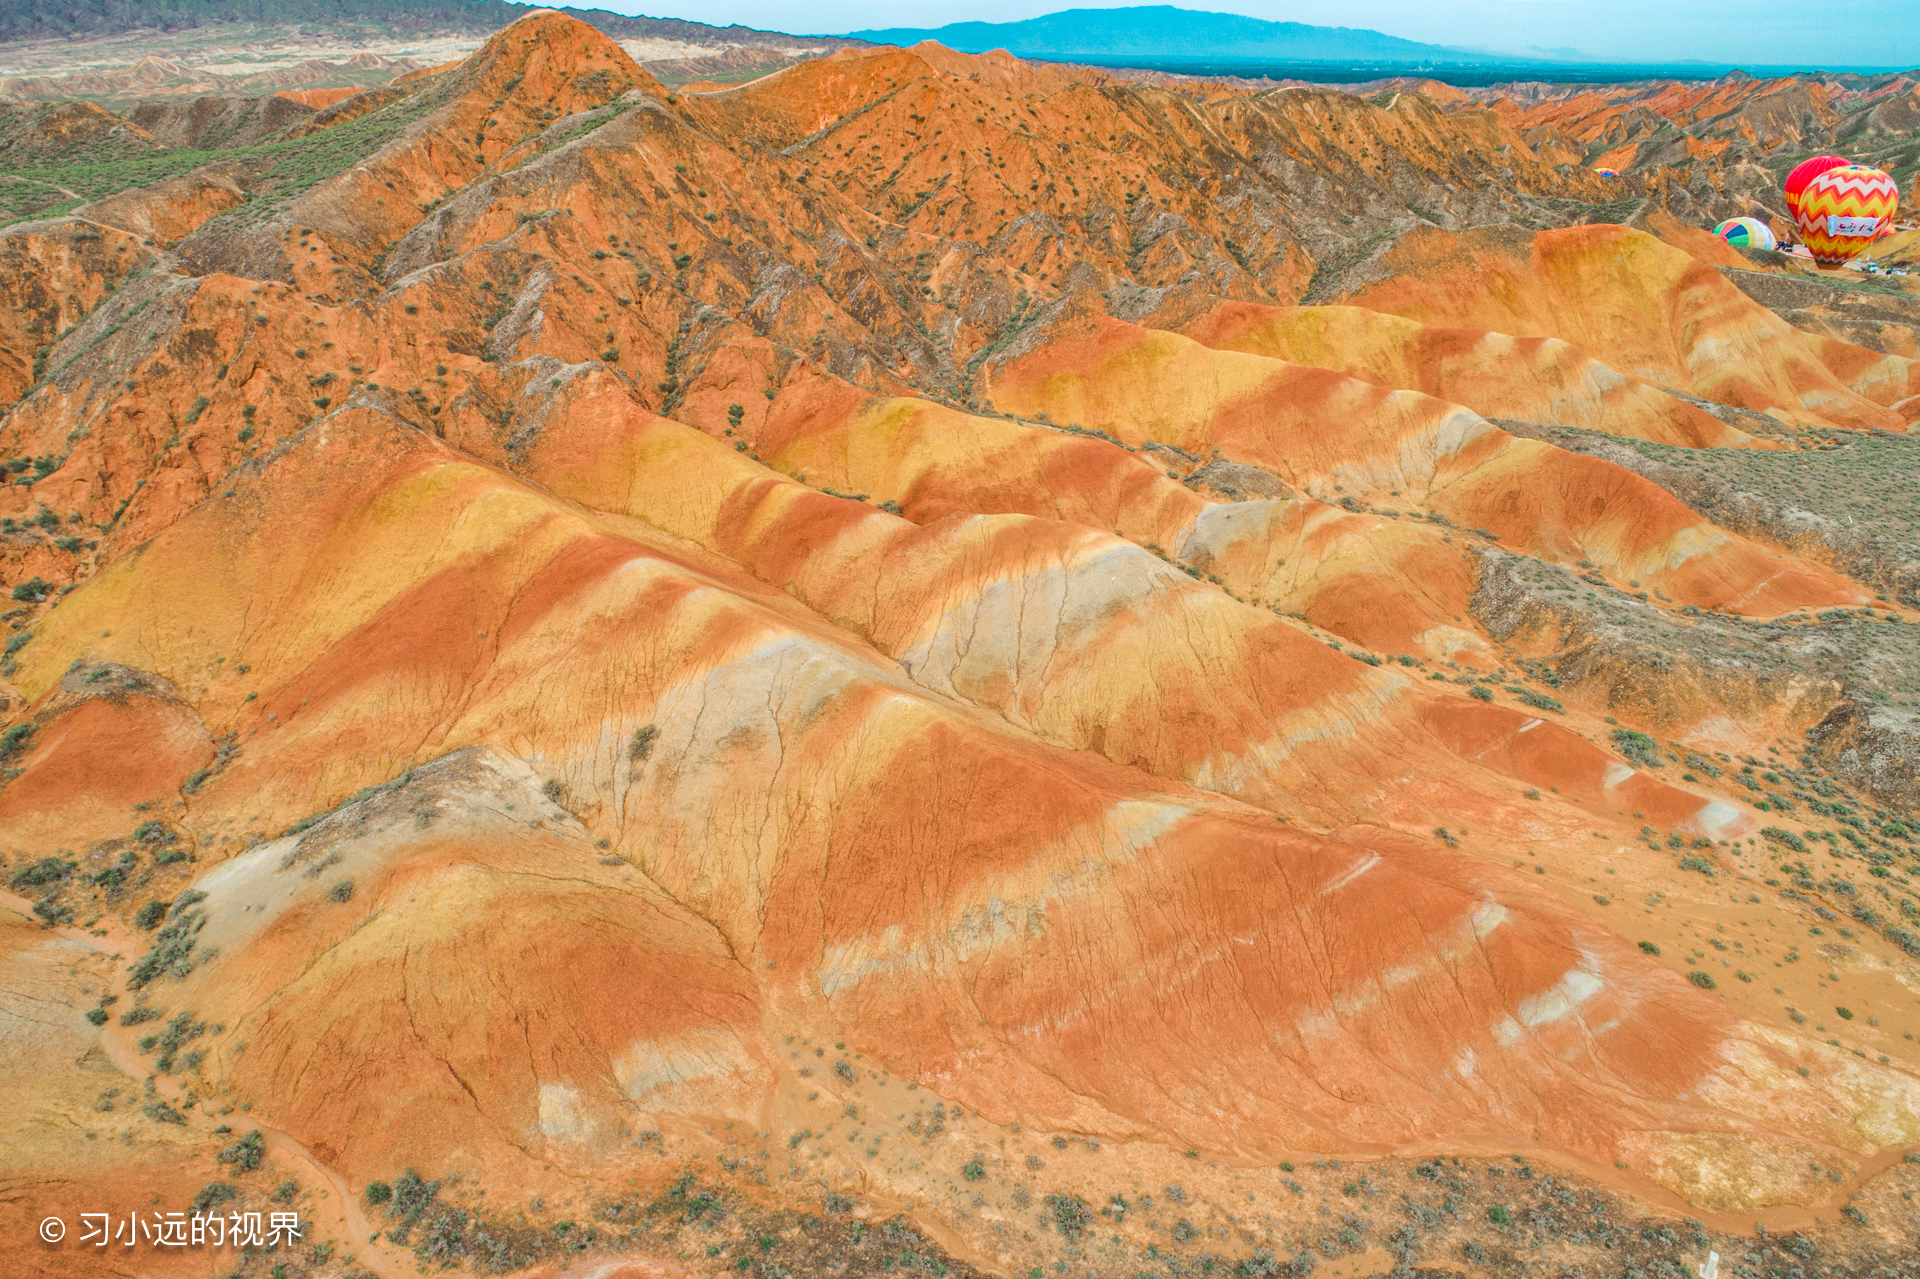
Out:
{"x": 172, "y": 951}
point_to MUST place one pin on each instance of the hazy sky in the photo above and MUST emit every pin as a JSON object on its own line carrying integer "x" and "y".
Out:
{"x": 1773, "y": 32}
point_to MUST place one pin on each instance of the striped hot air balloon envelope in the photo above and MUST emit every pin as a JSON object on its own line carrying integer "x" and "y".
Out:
{"x": 1606, "y": 173}
{"x": 1748, "y": 232}
{"x": 1805, "y": 172}
{"x": 1844, "y": 210}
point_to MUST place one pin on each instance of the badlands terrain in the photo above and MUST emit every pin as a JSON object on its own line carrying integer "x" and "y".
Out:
{"x": 942, "y": 665}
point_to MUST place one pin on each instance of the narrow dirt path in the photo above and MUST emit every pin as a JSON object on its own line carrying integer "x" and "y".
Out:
{"x": 336, "y": 1212}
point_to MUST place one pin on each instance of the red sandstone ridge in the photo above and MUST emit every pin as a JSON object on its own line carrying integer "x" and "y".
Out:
{"x": 931, "y": 633}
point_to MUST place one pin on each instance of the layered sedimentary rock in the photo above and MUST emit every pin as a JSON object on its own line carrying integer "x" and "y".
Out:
{"x": 613, "y": 586}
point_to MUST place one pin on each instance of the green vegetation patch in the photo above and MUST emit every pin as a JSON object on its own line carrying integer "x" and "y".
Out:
{"x": 57, "y": 185}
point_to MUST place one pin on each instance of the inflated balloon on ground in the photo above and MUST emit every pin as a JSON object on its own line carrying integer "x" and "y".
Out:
{"x": 1749, "y": 233}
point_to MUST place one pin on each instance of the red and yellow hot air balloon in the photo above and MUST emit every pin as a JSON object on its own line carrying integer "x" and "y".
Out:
{"x": 1805, "y": 172}
{"x": 1844, "y": 210}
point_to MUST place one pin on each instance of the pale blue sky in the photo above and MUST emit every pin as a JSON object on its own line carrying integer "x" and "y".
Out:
{"x": 1863, "y": 33}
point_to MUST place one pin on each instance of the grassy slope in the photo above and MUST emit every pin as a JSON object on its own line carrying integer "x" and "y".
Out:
{"x": 56, "y": 184}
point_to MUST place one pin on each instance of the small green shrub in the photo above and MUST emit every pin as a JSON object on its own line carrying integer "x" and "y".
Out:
{"x": 245, "y": 1154}
{"x": 161, "y": 1112}
{"x": 412, "y": 1196}
{"x": 1776, "y": 835}
{"x": 1638, "y": 748}
{"x": 212, "y": 1195}
{"x": 1070, "y": 1214}
{"x": 48, "y": 870}
{"x": 1704, "y": 981}
{"x": 52, "y": 911}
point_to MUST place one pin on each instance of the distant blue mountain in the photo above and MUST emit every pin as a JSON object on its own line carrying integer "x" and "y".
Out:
{"x": 1165, "y": 32}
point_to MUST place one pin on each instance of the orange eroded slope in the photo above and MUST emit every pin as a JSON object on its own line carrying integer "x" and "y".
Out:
{"x": 898, "y": 817}
{"x": 1533, "y": 379}
{"x": 616, "y": 582}
{"x": 1324, "y": 432}
{"x": 102, "y": 747}
{"x": 1641, "y": 306}
{"x": 1049, "y": 624}
{"x": 490, "y": 983}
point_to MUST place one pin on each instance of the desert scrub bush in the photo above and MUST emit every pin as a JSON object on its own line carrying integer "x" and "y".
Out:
{"x": 1650, "y": 948}
{"x": 342, "y": 891}
{"x": 411, "y": 1196}
{"x": 213, "y": 1194}
{"x": 1071, "y": 1216}
{"x": 245, "y": 1154}
{"x": 113, "y": 877}
{"x": 1480, "y": 693}
{"x": 180, "y": 1029}
{"x": 378, "y": 1192}
{"x": 15, "y": 739}
{"x": 1638, "y": 748}
{"x": 974, "y": 1169}
{"x": 1785, "y": 838}
{"x": 48, "y": 870}
{"x": 642, "y": 744}
{"x": 1700, "y": 764}
{"x": 1703, "y": 980}
{"x": 172, "y": 950}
